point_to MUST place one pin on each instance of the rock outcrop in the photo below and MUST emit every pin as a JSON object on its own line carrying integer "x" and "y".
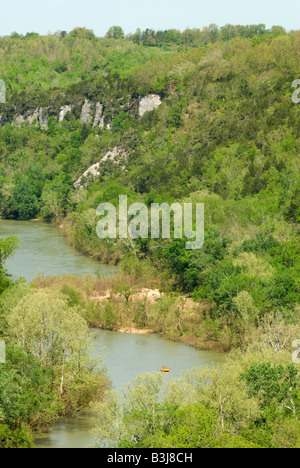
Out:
{"x": 37, "y": 115}
{"x": 63, "y": 112}
{"x": 91, "y": 112}
{"x": 99, "y": 117}
{"x": 90, "y": 173}
{"x": 148, "y": 104}
{"x": 20, "y": 119}
{"x": 86, "y": 112}
{"x": 116, "y": 155}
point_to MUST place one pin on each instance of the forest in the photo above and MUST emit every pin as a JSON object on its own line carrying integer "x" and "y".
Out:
{"x": 227, "y": 134}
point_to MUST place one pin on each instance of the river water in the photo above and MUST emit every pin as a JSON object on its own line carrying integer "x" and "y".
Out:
{"x": 44, "y": 250}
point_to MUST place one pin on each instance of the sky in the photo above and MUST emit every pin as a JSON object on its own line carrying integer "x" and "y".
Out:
{"x": 44, "y": 16}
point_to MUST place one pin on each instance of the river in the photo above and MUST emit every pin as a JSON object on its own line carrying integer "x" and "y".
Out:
{"x": 45, "y": 251}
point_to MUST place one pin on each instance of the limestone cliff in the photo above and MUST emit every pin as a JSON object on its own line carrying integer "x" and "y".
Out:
{"x": 89, "y": 112}
{"x": 117, "y": 156}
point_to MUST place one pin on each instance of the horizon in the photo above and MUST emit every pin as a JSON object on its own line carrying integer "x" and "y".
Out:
{"x": 130, "y": 33}
{"x": 66, "y": 15}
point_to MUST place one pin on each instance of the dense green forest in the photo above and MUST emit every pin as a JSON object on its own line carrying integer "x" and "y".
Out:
{"x": 227, "y": 134}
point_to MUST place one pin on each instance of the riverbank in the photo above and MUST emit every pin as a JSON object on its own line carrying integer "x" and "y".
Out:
{"x": 136, "y": 331}
{"x": 121, "y": 304}
{"x": 135, "y": 296}
{"x": 80, "y": 234}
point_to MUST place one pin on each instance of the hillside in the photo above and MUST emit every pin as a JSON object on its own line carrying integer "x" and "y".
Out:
{"x": 226, "y": 133}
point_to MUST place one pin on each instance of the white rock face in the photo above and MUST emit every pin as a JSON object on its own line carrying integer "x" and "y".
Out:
{"x": 86, "y": 114}
{"x": 91, "y": 172}
{"x": 20, "y": 119}
{"x": 63, "y": 112}
{"x": 33, "y": 116}
{"x": 148, "y": 104}
{"x": 114, "y": 155}
{"x": 91, "y": 112}
{"x": 43, "y": 119}
{"x": 36, "y": 115}
{"x": 99, "y": 117}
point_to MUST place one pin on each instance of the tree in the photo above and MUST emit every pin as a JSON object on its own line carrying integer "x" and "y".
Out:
{"x": 125, "y": 290}
{"x": 193, "y": 426}
{"x": 7, "y": 248}
{"x": 57, "y": 336}
{"x": 278, "y": 30}
{"x": 52, "y": 126}
{"x": 150, "y": 413}
{"x": 128, "y": 417}
{"x": 222, "y": 389}
{"x": 137, "y": 37}
{"x": 32, "y": 34}
{"x": 82, "y": 33}
{"x": 44, "y": 325}
{"x": 24, "y": 203}
{"x": 115, "y": 32}
{"x": 55, "y": 197}
{"x": 26, "y": 393}
{"x": 275, "y": 386}
{"x": 15, "y": 35}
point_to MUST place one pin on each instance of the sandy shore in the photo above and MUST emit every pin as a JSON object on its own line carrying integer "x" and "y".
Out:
{"x": 136, "y": 331}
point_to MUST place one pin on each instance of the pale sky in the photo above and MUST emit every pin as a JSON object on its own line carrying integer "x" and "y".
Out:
{"x": 43, "y": 16}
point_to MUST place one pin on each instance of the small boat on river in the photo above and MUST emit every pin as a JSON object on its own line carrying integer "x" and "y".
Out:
{"x": 165, "y": 370}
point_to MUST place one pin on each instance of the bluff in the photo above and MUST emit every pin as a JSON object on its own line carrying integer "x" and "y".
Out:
{"x": 99, "y": 114}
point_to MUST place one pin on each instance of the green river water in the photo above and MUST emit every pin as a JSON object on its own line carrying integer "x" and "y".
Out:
{"x": 43, "y": 250}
